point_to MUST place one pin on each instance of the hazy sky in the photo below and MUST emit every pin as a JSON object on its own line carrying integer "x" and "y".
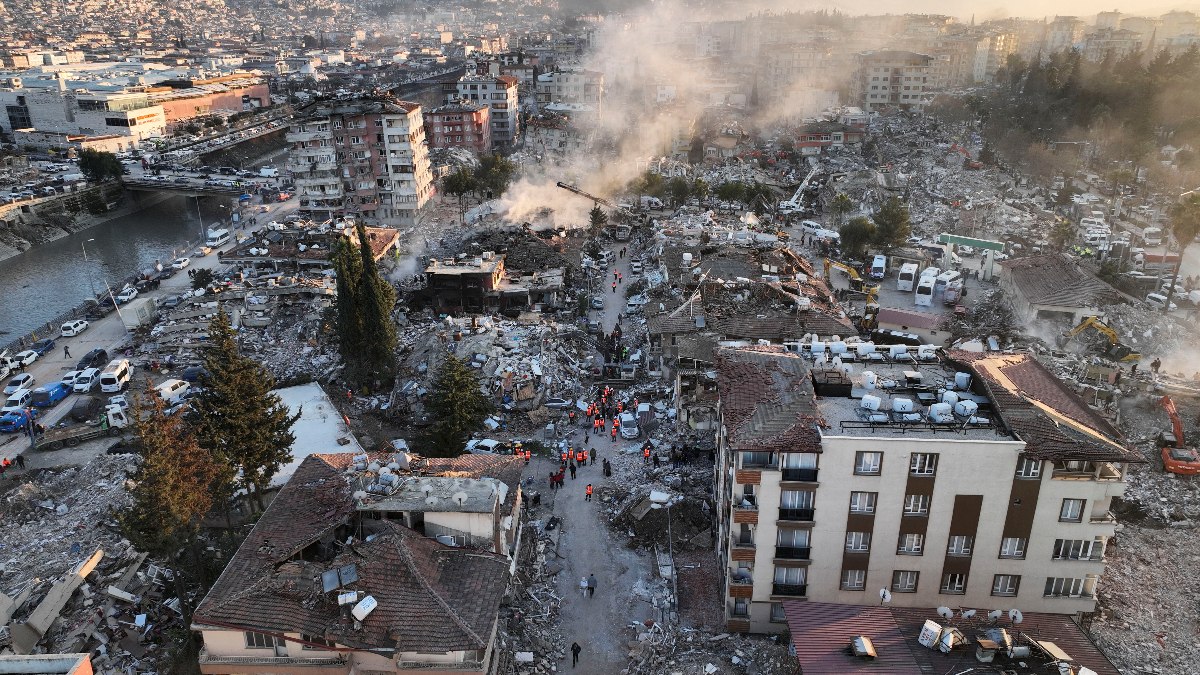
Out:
{"x": 982, "y": 9}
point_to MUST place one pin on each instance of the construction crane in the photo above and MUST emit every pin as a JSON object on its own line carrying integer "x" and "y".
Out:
{"x": 599, "y": 200}
{"x": 1176, "y": 457}
{"x": 796, "y": 203}
{"x": 1115, "y": 350}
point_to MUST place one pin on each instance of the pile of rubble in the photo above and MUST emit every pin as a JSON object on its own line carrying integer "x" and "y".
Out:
{"x": 686, "y": 651}
{"x": 532, "y": 634}
{"x": 523, "y": 250}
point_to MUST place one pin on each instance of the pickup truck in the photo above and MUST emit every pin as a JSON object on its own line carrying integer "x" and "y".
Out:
{"x": 110, "y": 424}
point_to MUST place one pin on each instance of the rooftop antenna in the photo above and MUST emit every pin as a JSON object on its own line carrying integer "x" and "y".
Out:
{"x": 884, "y": 596}
{"x": 995, "y": 614}
{"x": 945, "y": 612}
{"x": 967, "y": 614}
{"x": 1015, "y": 616}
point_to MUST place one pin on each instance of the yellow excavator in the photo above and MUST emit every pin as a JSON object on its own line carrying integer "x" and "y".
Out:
{"x": 1115, "y": 350}
{"x": 859, "y": 287}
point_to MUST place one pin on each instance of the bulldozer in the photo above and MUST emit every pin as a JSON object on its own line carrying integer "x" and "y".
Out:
{"x": 1115, "y": 350}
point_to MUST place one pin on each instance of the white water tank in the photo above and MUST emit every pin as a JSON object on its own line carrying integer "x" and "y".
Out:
{"x": 965, "y": 408}
{"x": 877, "y": 418}
{"x": 940, "y": 413}
{"x": 865, "y": 348}
{"x": 687, "y": 259}
{"x": 927, "y": 352}
{"x": 869, "y": 380}
{"x": 837, "y": 347}
{"x": 870, "y": 402}
{"x": 962, "y": 381}
{"x": 897, "y": 350}
{"x": 949, "y": 397}
{"x": 902, "y": 405}
{"x": 818, "y": 347}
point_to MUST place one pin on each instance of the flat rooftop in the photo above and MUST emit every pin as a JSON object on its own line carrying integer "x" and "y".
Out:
{"x": 482, "y": 265}
{"x": 435, "y": 493}
{"x": 873, "y": 390}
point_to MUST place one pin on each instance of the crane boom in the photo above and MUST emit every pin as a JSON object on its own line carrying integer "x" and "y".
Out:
{"x": 794, "y": 204}
{"x": 598, "y": 200}
{"x": 1176, "y": 423}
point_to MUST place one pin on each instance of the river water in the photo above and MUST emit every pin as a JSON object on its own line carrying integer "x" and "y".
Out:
{"x": 50, "y": 279}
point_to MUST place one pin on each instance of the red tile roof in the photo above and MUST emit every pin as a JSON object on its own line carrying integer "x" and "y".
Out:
{"x": 767, "y": 400}
{"x": 432, "y": 598}
{"x": 1057, "y": 279}
{"x": 822, "y": 631}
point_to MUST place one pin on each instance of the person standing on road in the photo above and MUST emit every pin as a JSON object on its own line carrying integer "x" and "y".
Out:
{"x": 591, "y": 585}
{"x": 66, "y": 351}
{"x": 588, "y": 495}
{"x": 572, "y": 467}
{"x": 575, "y": 649}
{"x": 583, "y": 586}
{"x": 21, "y": 461}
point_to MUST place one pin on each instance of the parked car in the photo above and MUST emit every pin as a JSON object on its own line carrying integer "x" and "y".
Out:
{"x": 42, "y": 346}
{"x": 629, "y": 426}
{"x": 180, "y": 263}
{"x": 22, "y": 381}
{"x": 559, "y": 403}
{"x": 68, "y": 377}
{"x": 194, "y": 374}
{"x": 85, "y": 408}
{"x": 128, "y": 293}
{"x": 25, "y": 358}
{"x": 49, "y": 395}
{"x": 86, "y": 380}
{"x": 16, "y": 420}
{"x": 1155, "y": 300}
{"x": 93, "y": 359}
{"x": 484, "y": 446}
{"x": 73, "y": 328}
{"x": 597, "y": 302}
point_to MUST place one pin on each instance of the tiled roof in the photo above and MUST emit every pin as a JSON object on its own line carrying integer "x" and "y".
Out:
{"x": 505, "y": 468}
{"x": 1039, "y": 409}
{"x": 431, "y": 597}
{"x": 1057, "y": 279}
{"x": 908, "y": 317}
{"x": 822, "y": 631}
{"x": 767, "y": 400}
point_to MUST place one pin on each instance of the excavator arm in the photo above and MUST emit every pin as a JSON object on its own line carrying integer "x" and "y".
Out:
{"x": 1176, "y": 423}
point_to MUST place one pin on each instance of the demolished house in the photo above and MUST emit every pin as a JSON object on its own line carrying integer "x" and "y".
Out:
{"x": 1053, "y": 287}
{"x": 304, "y": 247}
{"x": 332, "y": 579}
{"x": 901, "y": 435}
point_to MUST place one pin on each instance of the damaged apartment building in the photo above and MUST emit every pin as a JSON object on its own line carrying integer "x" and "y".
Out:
{"x": 483, "y": 284}
{"x": 849, "y": 473}
{"x": 374, "y": 563}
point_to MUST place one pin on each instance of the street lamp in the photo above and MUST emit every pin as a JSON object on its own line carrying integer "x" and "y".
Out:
{"x": 87, "y": 268}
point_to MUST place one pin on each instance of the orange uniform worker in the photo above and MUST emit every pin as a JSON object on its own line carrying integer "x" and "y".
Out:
{"x": 646, "y": 454}
{"x": 614, "y": 432}
{"x": 583, "y": 456}
{"x": 588, "y": 498}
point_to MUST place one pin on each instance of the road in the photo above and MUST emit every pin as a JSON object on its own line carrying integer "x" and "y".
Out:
{"x": 109, "y": 333}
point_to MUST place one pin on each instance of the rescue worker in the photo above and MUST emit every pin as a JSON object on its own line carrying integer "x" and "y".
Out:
{"x": 646, "y": 454}
{"x": 588, "y": 498}
{"x": 582, "y": 457}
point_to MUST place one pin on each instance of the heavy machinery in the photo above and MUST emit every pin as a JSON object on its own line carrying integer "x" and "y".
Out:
{"x": 1176, "y": 457}
{"x": 796, "y": 203}
{"x": 859, "y": 287}
{"x": 622, "y": 230}
{"x": 970, "y": 163}
{"x": 110, "y": 423}
{"x": 1115, "y": 350}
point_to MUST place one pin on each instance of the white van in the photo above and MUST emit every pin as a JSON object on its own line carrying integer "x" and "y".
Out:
{"x": 172, "y": 391}
{"x": 924, "y": 295}
{"x": 931, "y": 272}
{"x": 86, "y": 380}
{"x": 115, "y": 376}
{"x": 907, "y": 277}
{"x": 878, "y": 267}
{"x": 268, "y": 172}
{"x": 944, "y": 279}
{"x": 19, "y": 399}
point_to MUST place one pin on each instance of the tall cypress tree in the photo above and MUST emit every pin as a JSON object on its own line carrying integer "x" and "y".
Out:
{"x": 237, "y": 418}
{"x": 458, "y": 408}
{"x": 366, "y": 333}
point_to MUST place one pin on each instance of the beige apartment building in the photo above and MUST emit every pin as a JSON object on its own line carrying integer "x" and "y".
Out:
{"x": 967, "y": 480}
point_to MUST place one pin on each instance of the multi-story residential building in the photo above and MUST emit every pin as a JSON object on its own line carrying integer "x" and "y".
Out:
{"x": 498, "y": 93}
{"x": 1064, "y": 32}
{"x": 365, "y": 158}
{"x": 1108, "y": 43}
{"x": 572, "y": 85}
{"x": 893, "y": 78}
{"x": 1110, "y": 19}
{"x": 460, "y": 125}
{"x": 361, "y": 564}
{"x": 974, "y": 480}
{"x": 58, "y": 109}
{"x": 1147, "y": 27}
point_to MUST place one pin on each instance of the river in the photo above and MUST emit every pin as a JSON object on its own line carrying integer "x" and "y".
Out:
{"x": 51, "y": 278}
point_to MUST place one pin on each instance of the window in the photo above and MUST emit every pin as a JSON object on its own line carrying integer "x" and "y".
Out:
{"x": 858, "y": 541}
{"x": 868, "y": 463}
{"x": 1012, "y": 547}
{"x": 923, "y": 464}
{"x": 1078, "y": 549}
{"x": 954, "y": 583}
{"x": 317, "y": 642}
{"x": 854, "y": 580}
{"x": 800, "y": 460}
{"x": 793, "y": 538}
{"x": 777, "y": 615}
{"x": 795, "y": 576}
{"x": 910, "y": 544}
{"x": 1006, "y": 584}
{"x": 905, "y": 581}
{"x": 757, "y": 459}
{"x": 796, "y": 499}
{"x": 1029, "y": 468}
{"x": 916, "y": 505}
{"x": 1063, "y": 587}
{"x": 741, "y": 608}
{"x": 863, "y": 502}
{"x": 1071, "y": 511}
{"x": 259, "y": 640}
{"x": 960, "y": 544}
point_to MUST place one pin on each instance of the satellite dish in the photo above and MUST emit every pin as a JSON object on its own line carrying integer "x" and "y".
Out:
{"x": 968, "y": 614}
{"x": 885, "y": 595}
{"x": 995, "y": 614}
{"x": 945, "y": 613}
{"x": 1015, "y": 616}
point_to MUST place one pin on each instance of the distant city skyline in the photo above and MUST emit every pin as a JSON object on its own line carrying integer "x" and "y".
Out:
{"x": 992, "y": 9}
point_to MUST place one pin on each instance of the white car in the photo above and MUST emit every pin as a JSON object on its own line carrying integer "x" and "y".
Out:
{"x": 68, "y": 377}
{"x": 22, "y": 381}
{"x": 483, "y": 446}
{"x": 180, "y": 263}
{"x": 73, "y": 328}
{"x": 127, "y": 294}
{"x": 25, "y": 358}
{"x": 1155, "y": 300}
{"x": 629, "y": 426}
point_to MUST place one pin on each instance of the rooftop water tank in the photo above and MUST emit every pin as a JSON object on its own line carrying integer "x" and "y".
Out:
{"x": 865, "y": 348}
{"x": 818, "y": 347}
{"x": 868, "y": 380}
{"x": 870, "y": 402}
{"x": 940, "y": 413}
{"x": 965, "y": 408}
{"x": 837, "y": 347}
{"x": 902, "y": 405}
{"x": 962, "y": 381}
{"x": 949, "y": 397}
{"x": 877, "y": 418}
{"x": 927, "y": 352}
{"x": 897, "y": 350}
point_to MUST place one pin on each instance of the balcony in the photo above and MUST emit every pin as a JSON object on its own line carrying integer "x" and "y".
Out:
{"x": 792, "y": 552}
{"x": 268, "y": 658}
{"x": 1105, "y": 472}
{"x": 461, "y": 665}
{"x": 1105, "y": 518}
{"x": 805, "y": 475}
{"x": 793, "y": 590}
{"x": 745, "y": 513}
{"x": 802, "y": 515}
{"x": 742, "y": 550}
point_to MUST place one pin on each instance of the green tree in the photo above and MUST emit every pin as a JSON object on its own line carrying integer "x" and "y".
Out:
{"x": 597, "y": 218}
{"x": 1185, "y": 225}
{"x": 840, "y": 207}
{"x": 759, "y": 197}
{"x": 856, "y": 236}
{"x": 1061, "y": 234}
{"x": 170, "y": 494}
{"x": 731, "y": 191}
{"x": 237, "y": 418}
{"x": 679, "y": 189}
{"x": 701, "y": 189}
{"x": 97, "y": 165}
{"x": 201, "y": 278}
{"x": 364, "y": 305}
{"x": 457, "y": 406}
{"x": 892, "y": 226}
{"x": 495, "y": 173}
{"x": 460, "y": 183}
{"x": 650, "y": 184}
